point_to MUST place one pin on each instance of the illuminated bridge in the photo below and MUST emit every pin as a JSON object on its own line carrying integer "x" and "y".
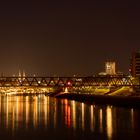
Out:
{"x": 69, "y": 81}
{"x": 51, "y": 84}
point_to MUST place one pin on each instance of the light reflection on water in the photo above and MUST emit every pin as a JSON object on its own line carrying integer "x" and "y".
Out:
{"x": 109, "y": 122}
{"x": 75, "y": 118}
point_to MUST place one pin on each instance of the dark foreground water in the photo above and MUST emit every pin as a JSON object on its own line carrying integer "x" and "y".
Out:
{"x": 42, "y": 117}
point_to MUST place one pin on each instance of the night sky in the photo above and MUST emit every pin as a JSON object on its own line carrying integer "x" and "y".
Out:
{"x": 67, "y": 37}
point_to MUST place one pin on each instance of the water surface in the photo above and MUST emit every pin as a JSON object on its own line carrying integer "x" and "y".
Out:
{"x": 42, "y": 117}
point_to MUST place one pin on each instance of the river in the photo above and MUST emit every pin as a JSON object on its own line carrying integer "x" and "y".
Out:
{"x": 42, "y": 117}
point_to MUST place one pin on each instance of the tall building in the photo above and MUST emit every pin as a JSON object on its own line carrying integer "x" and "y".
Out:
{"x": 135, "y": 64}
{"x": 110, "y": 68}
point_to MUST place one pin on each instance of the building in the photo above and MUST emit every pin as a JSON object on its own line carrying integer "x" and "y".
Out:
{"x": 110, "y": 68}
{"x": 135, "y": 64}
{"x": 21, "y": 75}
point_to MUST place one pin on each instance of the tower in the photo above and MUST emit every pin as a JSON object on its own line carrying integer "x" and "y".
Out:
{"x": 21, "y": 75}
{"x": 24, "y": 75}
{"x": 110, "y": 68}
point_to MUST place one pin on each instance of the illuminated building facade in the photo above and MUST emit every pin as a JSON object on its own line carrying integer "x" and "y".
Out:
{"x": 110, "y": 68}
{"x": 135, "y": 64}
{"x": 21, "y": 75}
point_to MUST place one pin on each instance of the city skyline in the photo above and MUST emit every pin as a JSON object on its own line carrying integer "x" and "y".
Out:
{"x": 67, "y": 37}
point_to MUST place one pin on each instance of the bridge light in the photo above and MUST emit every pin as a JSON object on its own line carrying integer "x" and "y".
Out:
{"x": 69, "y": 83}
{"x": 39, "y": 82}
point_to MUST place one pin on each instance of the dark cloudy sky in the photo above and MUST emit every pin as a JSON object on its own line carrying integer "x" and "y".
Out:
{"x": 66, "y": 37}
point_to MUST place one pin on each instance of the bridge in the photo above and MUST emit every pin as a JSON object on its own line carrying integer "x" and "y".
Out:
{"x": 69, "y": 81}
{"x": 55, "y": 85}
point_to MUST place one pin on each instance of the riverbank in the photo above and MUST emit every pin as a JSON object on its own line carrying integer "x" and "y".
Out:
{"x": 129, "y": 101}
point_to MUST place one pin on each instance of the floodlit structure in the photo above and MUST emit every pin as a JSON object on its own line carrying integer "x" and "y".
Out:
{"x": 110, "y": 68}
{"x": 21, "y": 75}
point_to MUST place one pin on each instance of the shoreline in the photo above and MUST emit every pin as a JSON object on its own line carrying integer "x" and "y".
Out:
{"x": 123, "y": 101}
